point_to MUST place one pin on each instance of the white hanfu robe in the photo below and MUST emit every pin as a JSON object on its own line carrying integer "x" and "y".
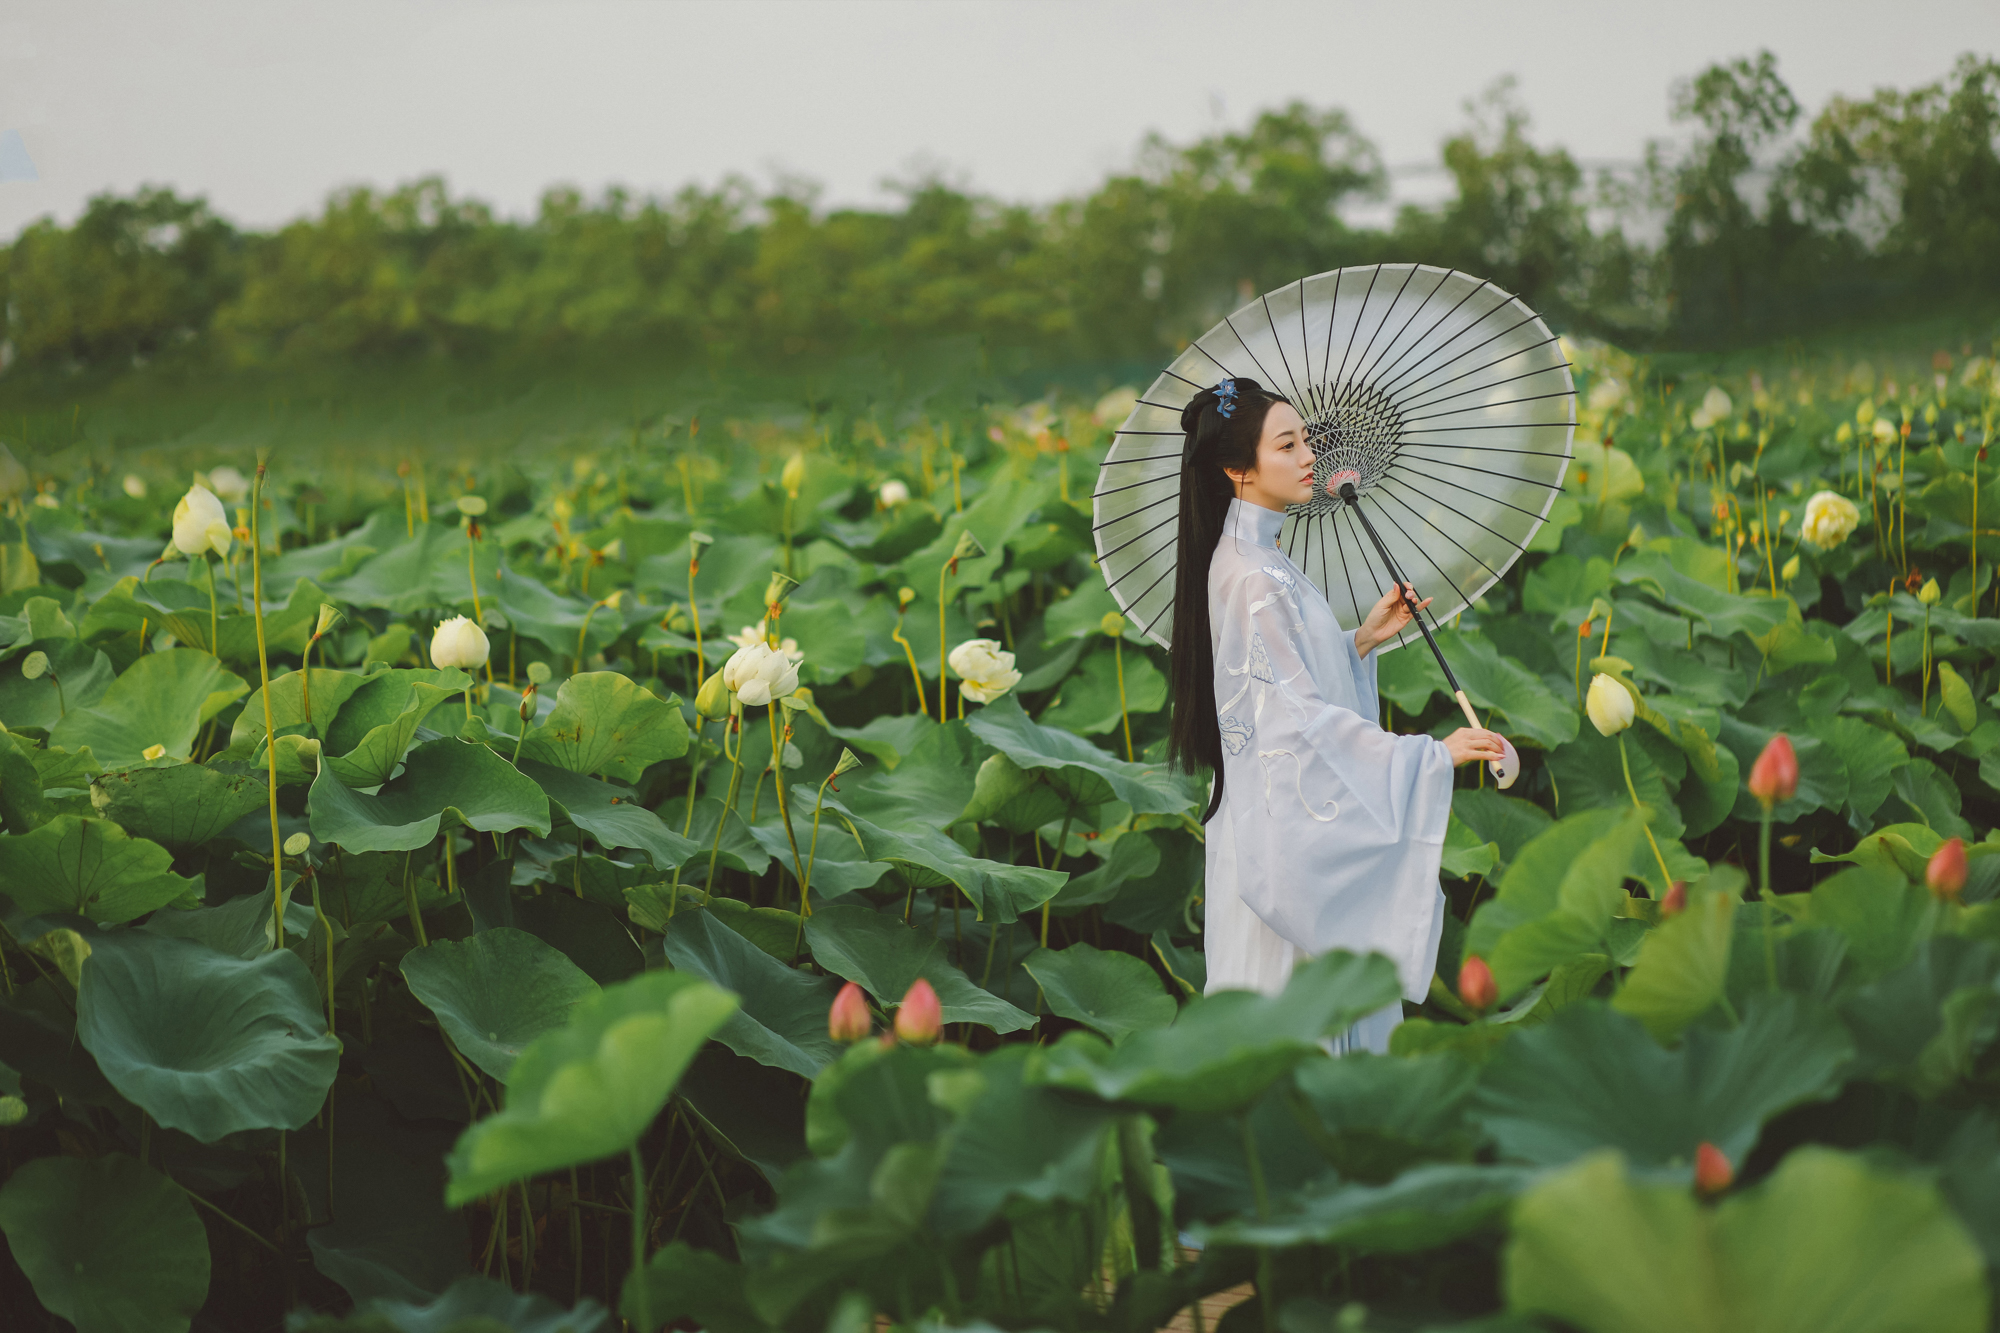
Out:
{"x": 1331, "y": 829}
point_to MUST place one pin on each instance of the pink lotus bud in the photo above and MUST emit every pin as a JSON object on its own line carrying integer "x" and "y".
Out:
{"x": 919, "y": 1018}
{"x": 848, "y": 1018}
{"x": 1712, "y": 1171}
{"x": 1775, "y": 775}
{"x": 1676, "y": 900}
{"x": 1476, "y": 985}
{"x": 1946, "y": 873}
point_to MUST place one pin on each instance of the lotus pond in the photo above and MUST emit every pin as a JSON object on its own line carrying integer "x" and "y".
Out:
{"x": 365, "y": 974}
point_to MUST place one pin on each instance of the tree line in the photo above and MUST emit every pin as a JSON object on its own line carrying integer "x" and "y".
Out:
{"x": 1756, "y": 222}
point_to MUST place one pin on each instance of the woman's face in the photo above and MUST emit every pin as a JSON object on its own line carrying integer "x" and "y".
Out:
{"x": 1284, "y": 472}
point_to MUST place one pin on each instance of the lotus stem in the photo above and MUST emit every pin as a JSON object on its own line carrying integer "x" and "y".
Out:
{"x": 270, "y": 725}
{"x": 326, "y": 930}
{"x": 784, "y": 810}
{"x": 1770, "y": 897}
{"x": 1124, "y": 716}
{"x": 943, "y": 570}
{"x": 1666, "y": 876}
{"x": 645, "y": 1297}
{"x": 214, "y": 621}
{"x": 1254, "y": 1161}
{"x": 923, "y": 702}
{"x": 735, "y": 779}
{"x": 1062, "y": 841}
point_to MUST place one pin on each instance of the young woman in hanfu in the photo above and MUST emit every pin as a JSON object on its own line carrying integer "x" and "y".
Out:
{"x": 1323, "y": 830}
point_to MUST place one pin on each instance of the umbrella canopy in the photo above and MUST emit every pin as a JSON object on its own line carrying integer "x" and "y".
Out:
{"x": 1442, "y": 400}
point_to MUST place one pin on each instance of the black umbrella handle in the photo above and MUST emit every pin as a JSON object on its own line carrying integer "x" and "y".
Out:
{"x": 1347, "y": 493}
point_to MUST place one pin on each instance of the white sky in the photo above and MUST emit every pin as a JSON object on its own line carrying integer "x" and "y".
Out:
{"x": 266, "y": 105}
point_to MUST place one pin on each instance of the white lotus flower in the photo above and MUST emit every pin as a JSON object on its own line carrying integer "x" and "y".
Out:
{"x": 985, "y": 670}
{"x": 760, "y": 673}
{"x": 135, "y": 485}
{"x": 1605, "y": 395}
{"x": 1883, "y": 430}
{"x": 1609, "y": 705}
{"x": 232, "y": 486}
{"x": 893, "y": 493}
{"x": 201, "y": 524}
{"x": 1715, "y": 406}
{"x": 751, "y": 635}
{"x": 1830, "y": 519}
{"x": 459, "y": 643}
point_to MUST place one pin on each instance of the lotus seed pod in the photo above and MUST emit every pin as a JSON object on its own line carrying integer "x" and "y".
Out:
{"x": 297, "y": 843}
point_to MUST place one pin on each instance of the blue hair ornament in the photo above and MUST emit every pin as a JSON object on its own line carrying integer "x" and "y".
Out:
{"x": 1225, "y": 397}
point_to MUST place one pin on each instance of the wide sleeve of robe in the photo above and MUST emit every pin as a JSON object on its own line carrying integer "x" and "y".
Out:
{"x": 1337, "y": 826}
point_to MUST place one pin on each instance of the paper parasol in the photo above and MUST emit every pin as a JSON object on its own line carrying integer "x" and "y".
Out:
{"x": 1440, "y": 411}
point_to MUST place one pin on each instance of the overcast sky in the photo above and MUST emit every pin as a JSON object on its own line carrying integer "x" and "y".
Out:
{"x": 266, "y": 105}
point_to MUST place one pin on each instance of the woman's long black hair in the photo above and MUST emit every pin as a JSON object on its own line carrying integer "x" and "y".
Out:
{"x": 1221, "y": 432}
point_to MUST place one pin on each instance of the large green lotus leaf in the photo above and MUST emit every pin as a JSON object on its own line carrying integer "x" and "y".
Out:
{"x": 183, "y": 610}
{"x": 1528, "y": 708}
{"x": 473, "y": 1304}
{"x": 182, "y": 805}
{"x": 239, "y": 927}
{"x": 85, "y": 674}
{"x": 204, "y": 1042}
{"x": 391, "y": 1236}
{"x": 330, "y": 691}
{"x": 1421, "y": 1209}
{"x": 470, "y": 783}
{"x": 1010, "y": 796}
{"x": 427, "y": 570}
{"x": 1225, "y": 1049}
{"x": 737, "y": 849}
{"x": 557, "y": 621}
{"x": 1465, "y": 853}
{"x": 162, "y": 699}
{"x": 1112, "y": 993}
{"x": 110, "y": 1245}
{"x": 781, "y": 1020}
{"x": 90, "y": 867}
{"x": 1723, "y": 613}
{"x": 1682, "y": 967}
{"x": 999, "y": 891}
{"x": 496, "y": 992}
{"x": 1869, "y": 754}
{"x": 1015, "y": 1140}
{"x": 604, "y": 723}
{"x": 885, "y": 957}
{"x": 1927, "y": 1022}
{"x": 837, "y": 867}
{"x": 1879, "y": 913}
{"x": 700, "y": 1285}
{"x": 22, "y": 804}
{"x": 590, "y": 1088}
{"x": 1557, "y": 898}
{"x": 375, "y": 727}
{"x": 1825, "y": 1243}
{"x": 1084, "y": 773}
{"x": 1591, "y": 776}
{"x": 1087, "y": 703}
{"x": 1383, "y": 1113}
{"x": 1592, "y": 1078}
{"x": 1822, "y": 774}
{"x": 612, "y": 815}
{"x": 929, "y": 788}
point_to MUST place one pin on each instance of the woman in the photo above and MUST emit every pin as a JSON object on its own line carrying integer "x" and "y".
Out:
{"x": 1324, "y": 831}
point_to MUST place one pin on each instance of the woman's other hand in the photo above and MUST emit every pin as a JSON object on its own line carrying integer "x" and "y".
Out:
{"x": 1386, "y": 619}
{"x": 1471, "y": 744}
